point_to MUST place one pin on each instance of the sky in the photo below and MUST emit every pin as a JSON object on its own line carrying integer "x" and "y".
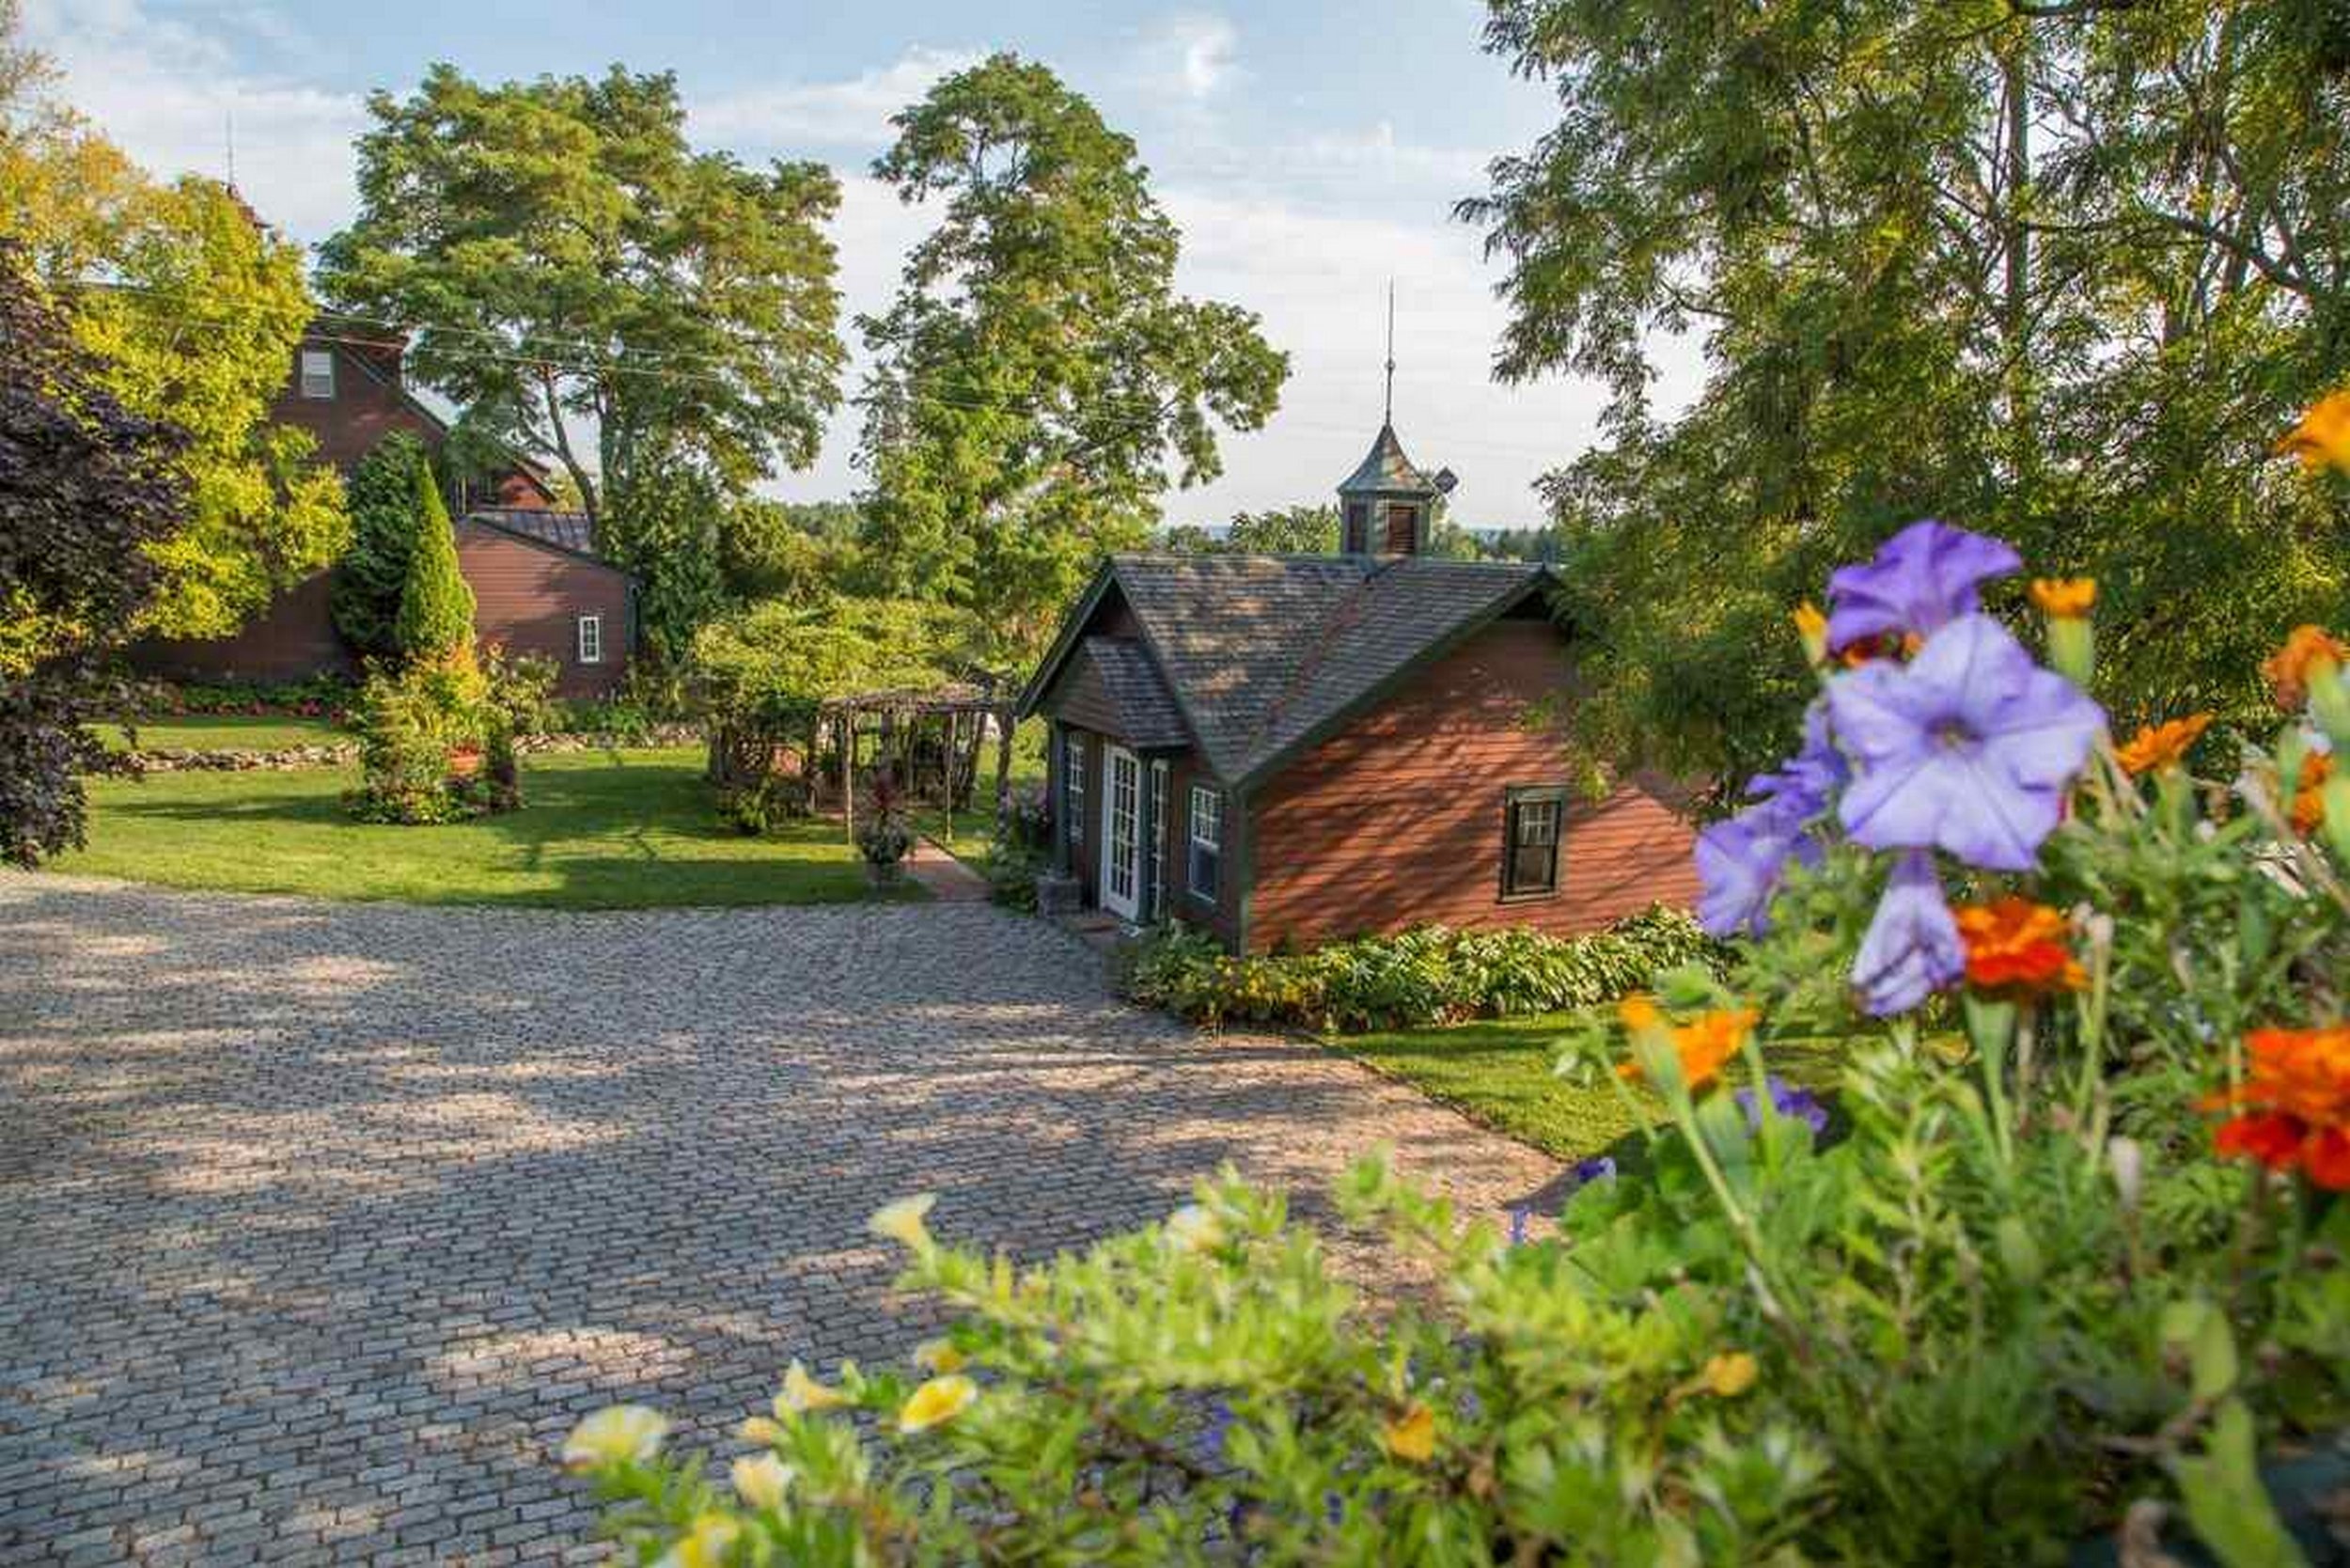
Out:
{"x": 1310, "y": 153}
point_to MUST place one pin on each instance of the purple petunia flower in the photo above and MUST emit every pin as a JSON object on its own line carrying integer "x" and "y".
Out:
{"x": 1741, "y": 862}
{"x": 1912, "y": 949}
{"x": 1599, "y": 1168}
{"x": 1806, "y": 781}
{"x": 1796, "y": 1103}
{"x": 1967, "y": 748}
{"x": 1919, "y": 580}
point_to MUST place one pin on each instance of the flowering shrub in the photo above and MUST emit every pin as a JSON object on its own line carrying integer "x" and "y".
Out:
{"x": 326, "y": 697}
{"x": 1427, "y": 975}
{"x": 433, "y": 746}
{"x": 883, "y": 836}
{"x": 2069, "y": 1261}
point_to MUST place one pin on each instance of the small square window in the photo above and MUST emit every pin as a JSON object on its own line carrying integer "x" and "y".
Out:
{"x": 1533, "y": 821}
{"x": 591, "y": 639}
{"x": 318, "y": 374}
{"x": 1204, "y": 864}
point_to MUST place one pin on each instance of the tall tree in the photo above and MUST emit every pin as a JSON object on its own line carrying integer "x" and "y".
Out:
{"x": 2058, "y": 270}
{"x": 193, "y": 310}
{"x": 562, "y": 254}
{"x": 385, "y": 518}
{"x": 436, "y": 604}
{"x": 665, "y": 528}
{"x": 1038, "y": 381}
{"x": 87, "y": 489}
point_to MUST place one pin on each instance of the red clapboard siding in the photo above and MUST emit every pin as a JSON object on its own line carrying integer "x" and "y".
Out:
{"x": 291, "y": 640}
{"x": 1397, "y": 821}
{"x": 529, "y": 597}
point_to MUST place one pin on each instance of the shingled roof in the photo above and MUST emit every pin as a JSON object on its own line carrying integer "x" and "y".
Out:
{"x": 1258, "y": 654}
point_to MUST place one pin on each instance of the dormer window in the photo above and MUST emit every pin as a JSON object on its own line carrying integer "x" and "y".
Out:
{"x": 318, "y": 374}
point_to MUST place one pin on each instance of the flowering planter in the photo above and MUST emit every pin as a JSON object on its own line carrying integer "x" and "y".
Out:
{"x": 884, "y": 873}
{"x": 464, "y": 763}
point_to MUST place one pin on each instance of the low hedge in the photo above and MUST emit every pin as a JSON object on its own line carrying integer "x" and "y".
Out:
{"x": 1427, "y": 975}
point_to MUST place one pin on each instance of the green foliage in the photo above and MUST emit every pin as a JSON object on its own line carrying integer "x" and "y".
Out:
{"x": 1290, "y": 531}
{"x": 196, "y": 328}
{"x": 87, "y": 487}
{"x": 520, "y": 688}
{"x": 436, "y": 604}
{"x": 782, "y": 550}
{"x": 414, "y": 723}
{"x": 567, "y": 223}
{"x": 1427, "y": 975}
{"x": 2049, "y": 270}
{"x": 372, "y": 576}
{"x": 771, "y": 664}
{"x": 1037, "y": 375}
{"x": 662, "y": 525}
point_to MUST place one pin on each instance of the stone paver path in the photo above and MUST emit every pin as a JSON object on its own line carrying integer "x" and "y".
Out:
{"x": 321, "y": 1224}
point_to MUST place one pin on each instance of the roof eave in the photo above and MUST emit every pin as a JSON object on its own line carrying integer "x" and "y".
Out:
{"x": 1065, "y": 641}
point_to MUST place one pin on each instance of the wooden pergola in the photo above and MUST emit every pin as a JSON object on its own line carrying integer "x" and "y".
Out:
{"x": 895, "y": 718}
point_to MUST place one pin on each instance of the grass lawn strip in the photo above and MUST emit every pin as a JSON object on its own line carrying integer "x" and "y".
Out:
{"x": 627, "y": 830}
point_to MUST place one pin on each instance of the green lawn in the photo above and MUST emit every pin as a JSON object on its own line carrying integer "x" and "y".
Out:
{"x": 224, "y": 732}
{"x": 601, "y": 831}
{"x": 1498, "y": 1071}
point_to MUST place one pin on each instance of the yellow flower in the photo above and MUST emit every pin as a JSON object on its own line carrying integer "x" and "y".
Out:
{"x": 2064, "y": 597}
{"x": 803, "y": 1393}
{"x": 902, "y": 1221}
{"x": 705, "y": 1546}
{"x": 1411, "y": 1436}
{"x": 761, "y": 1479}
{"x": 939, "y": 1356}
{"x": 760, "y": 1429}
{"x": 1811, "y": 626}
{"x": 942, "y": 1399}
{"x": 1194, "y": 1229}
{"x": 1728, "y": 1376}
{"x": 2322, "y": 439}
{"x": 618, "y": 1435}
{"x": 1640, "y": 1013}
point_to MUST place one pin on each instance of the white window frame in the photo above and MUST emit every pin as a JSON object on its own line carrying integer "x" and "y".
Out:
{"x": 1155, "y": 831}
{"x": 590, "y": 634}
{"x": 1204, "y": 831}
{"x": 316, "y": 370}
{"x": 1073, "y": 789}
{"x": 1121, "y": 832}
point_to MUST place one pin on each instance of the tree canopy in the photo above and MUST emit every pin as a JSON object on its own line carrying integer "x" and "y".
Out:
{"x": 773, "y": 664}
{"x": 193, "y": 310}
{"x": 87, "y": 489}
{"x": 561, "y": 254}
{"x": 2061, "y": 271}
{"x": 1038, "y": 381}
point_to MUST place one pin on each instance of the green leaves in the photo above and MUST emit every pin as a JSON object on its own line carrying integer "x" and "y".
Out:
{"x": 1039, "y": 383}
{"x": 564, "y": 257}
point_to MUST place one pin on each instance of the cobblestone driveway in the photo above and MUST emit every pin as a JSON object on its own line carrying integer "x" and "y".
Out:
{"x": 319, "y": 1224}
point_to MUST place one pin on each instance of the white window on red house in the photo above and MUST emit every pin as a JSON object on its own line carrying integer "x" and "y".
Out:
{"x": 591, "y": 639}
{"x": 1204, "y": 864}
{"x": 1073, "y": 789}
{"x": 318, "y": 374}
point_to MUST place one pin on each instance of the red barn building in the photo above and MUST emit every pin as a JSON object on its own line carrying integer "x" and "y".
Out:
{"x": 1288, "y": 750}
{"x": 538, "y": 585}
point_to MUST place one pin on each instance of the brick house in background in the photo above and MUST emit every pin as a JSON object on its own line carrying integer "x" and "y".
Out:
{"x": 538, "y": 585}
{"x": 1287, "y": 750}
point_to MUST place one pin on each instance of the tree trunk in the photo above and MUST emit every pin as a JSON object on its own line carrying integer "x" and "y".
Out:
{"x": 2016, "y": 304}
{"x": 563, "y": 450}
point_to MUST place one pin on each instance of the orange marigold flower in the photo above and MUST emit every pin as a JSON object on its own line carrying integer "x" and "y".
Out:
{"x": 2162, "y": 746}
{"x": 2017, "y": 948}
{"x": 2292, "y": 1111}
{"x": 2322, "y": 439}
{"x": 2064, "y": 597}
{"x": 2288, "y": 669}
{"x": 2308, "y": 795}
{"x": 1702, "y": 1045}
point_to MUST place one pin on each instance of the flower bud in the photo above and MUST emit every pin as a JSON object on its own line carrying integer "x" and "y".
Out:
{"x": 2129, "y": 1170}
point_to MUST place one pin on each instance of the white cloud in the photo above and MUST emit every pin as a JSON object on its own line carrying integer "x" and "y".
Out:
{"x": 1204, "y": 53}
{"x": 850, "y": 113}
{"x": 168, "y": 92}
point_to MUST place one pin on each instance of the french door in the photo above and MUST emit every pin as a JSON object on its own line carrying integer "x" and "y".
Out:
{"x": 1121, "y": 832}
